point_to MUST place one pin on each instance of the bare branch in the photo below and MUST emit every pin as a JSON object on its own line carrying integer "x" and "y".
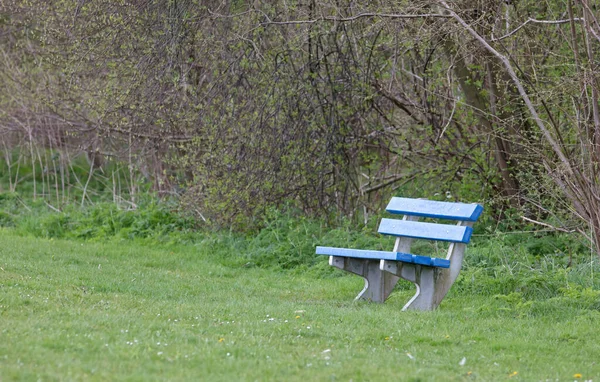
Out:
{"x": 530, "y": 20}
{"x": 359, "y": 16}
{"x": 212, "y": 13}
{"x": 548, "y": 225}
{"x": 167, "y": 138}
{"x": 411, "y": 16}
{"x": 593, "y": 19}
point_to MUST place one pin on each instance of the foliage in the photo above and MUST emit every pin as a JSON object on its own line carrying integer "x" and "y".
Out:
{"x": 329, "y": 107}
{"x": 239, "y": 115}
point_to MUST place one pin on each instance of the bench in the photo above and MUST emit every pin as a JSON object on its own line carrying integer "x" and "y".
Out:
{"x": 433, "y": 277}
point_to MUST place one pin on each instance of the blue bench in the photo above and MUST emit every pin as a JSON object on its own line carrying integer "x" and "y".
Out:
{"x": 432, "y": 276}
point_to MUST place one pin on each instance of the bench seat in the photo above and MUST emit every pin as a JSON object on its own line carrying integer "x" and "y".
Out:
{"x": 384, "y": 255}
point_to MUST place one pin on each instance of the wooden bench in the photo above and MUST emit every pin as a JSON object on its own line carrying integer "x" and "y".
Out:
{"x": 433, "y": 277}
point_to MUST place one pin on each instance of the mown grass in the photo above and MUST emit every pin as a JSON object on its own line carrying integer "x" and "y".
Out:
{"x": 142, "y": 310}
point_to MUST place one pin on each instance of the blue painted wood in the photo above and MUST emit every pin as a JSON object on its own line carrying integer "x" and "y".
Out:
{"x": 429, "y": 231}
{"x": 434, "y": 209}
{"x": 384, "y": 255}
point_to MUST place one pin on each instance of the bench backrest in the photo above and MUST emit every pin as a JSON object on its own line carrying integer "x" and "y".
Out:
{"x": 434, "y": 209}
{"x": 461, "y": 212}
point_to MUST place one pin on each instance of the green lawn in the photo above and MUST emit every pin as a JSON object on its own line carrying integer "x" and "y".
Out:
{"x": 121, "y": 310}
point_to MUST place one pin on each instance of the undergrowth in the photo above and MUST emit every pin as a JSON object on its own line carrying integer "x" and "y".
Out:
{"x": 159, "y": 221}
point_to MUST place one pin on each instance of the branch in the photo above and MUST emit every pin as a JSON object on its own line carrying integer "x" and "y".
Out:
{"x": 524, "y": 96}
{"x": 389, "y": 182}
{"x": 535, "y": 21}
{"x": 225, "y": 16}
{"x": 360, "y": 15}
{"x": 401, "y": 104}
{"x": 594, "y": 19}
{"x": 548, "y": 225}
{"x": 168, "y": 138}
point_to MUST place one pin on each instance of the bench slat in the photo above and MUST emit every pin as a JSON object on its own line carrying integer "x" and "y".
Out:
{"x": 434, "y": 209}
{"x": 384, "y": 255}
{"x": 429, "y": 231}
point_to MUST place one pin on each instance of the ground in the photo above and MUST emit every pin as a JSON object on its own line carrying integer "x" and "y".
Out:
{"x": 118, "y": 310}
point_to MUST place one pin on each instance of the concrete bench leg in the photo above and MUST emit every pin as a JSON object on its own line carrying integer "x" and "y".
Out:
{"x": 432, "y": 283}
{"x": 378, "y": 284}
{"x": 424, "y": 279}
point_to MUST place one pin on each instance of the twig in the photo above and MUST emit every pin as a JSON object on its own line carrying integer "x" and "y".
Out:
{"x": 548, "y": 225}
{"x": 225, "y": 16}
{"x": 24, "y": 205}
{"x": 453, "y": 109}
{"x": 511, "y": 233}
{"x": 388, "y": 182}
{"x": 174, "y": 138}
{"x": 52, "y": 207}
{"x": 91, "y": 173}
{"x": 132, "y": 205}
{"x": 200, "y": 213}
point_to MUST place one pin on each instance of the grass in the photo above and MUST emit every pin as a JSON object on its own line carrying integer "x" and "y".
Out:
{"x": 138, "y": 310}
